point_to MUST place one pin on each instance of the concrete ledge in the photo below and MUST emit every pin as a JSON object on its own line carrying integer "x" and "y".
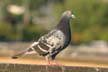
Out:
{"x": 5, "y": 67}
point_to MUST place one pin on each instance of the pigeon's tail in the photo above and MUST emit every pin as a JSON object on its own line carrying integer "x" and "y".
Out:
{"x": 25, "y": 52}
{"x": 18, "y": 55}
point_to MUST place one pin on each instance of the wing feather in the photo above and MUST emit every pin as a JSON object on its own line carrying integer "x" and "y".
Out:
{"x": 54, "y": 40}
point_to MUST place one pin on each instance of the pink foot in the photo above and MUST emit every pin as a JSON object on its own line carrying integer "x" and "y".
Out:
{"x": 54, "y": 64}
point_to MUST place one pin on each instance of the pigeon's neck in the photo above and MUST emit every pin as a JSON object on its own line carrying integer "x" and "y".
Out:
{"x": 64, "y": 25}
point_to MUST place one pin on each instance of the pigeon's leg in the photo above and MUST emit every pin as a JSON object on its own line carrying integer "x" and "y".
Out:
{"x": 47, "y": 59}
{"x": 25, "y": 52}
{"x": 55, "y": 62}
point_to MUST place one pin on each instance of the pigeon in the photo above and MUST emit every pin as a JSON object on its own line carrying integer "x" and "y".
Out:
{"x": 52, "y": 43}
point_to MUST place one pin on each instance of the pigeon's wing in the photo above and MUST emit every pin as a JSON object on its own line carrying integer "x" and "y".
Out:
{"x": 54, "y": 40}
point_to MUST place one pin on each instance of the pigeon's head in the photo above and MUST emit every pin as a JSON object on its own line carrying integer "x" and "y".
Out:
{"x": 68, "y": 14}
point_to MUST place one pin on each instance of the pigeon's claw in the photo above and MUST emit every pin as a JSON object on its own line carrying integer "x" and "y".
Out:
{"x": 54, "y": 63}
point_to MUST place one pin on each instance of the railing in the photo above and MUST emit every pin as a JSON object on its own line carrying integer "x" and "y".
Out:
{"x": 5, "y": 67}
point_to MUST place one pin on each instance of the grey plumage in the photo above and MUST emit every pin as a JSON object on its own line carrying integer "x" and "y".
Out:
{"x": 54, "y": 42}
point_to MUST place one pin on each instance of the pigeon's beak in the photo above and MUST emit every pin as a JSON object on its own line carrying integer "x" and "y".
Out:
{"x": 73, "y": 16}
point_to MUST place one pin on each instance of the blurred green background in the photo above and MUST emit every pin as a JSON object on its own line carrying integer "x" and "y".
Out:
{"x": 24, "y": 21}
{"x": 27, "y": 20}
